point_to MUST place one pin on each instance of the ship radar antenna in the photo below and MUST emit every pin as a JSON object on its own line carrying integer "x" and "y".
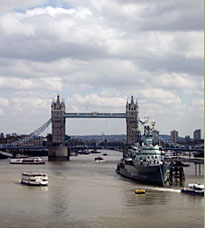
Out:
{"x": 153, "y": 124}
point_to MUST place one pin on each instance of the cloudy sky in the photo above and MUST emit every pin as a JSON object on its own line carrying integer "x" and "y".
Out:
{"x": 96, "y": 54}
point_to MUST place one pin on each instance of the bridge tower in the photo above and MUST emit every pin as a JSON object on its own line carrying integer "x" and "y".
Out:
{"x": 58, "y": 121}
{"x": 57, "y": 150}
{"x": 132, "y": 122}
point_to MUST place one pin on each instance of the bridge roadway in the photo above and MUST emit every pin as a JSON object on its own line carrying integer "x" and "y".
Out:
{"x": 5, "y": 146}
{"x": 94, "y": 115}
{"x": 78, "y": 147}
{"x": 196, "y": 160}
{"x": 23, "y": 147}
{"x": 181, "y": 149}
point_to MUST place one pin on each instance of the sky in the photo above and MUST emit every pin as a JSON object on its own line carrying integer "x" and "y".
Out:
{"x": 96, "y": 55}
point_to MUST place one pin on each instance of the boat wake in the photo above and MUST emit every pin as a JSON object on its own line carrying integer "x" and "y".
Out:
{"x": 163, "y": 189}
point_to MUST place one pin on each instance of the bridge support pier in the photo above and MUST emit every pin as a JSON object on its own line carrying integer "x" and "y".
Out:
{"x": 200, "y": 169}
{"x": 197, "y": 164}
{"x": 58, "y": 153}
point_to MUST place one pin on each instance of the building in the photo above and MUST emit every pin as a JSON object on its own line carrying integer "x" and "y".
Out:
{"x": 174, "y": 136}
{"x": 197, "y": 134}
{"x": 14, "y": 135}
{"x": 8, "y": 135}
{"x": 36, "y": 141}
{"x": 187, "y": 138}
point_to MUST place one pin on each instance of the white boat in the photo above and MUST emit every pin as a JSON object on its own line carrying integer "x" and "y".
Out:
{"x": 34, "y": 179}
{"x": 35, "y": 161}
{"x": 194, "y": 189}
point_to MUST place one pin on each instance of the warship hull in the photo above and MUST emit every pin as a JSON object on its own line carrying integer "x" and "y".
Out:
{"x": 156, "y": 175}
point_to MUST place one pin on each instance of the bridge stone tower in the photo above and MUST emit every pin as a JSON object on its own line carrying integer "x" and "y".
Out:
{"x": 57, "y": 150}
{"x": 132, "y": 122}
{"x": 58, "y": 121}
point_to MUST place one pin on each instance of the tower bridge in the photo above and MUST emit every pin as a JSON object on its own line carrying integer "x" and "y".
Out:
{"x": 57, "y": 149}
{"x": 58, "y": 119}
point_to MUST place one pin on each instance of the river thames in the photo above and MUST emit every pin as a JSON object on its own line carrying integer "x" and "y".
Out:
{"x": 83, "y": 193}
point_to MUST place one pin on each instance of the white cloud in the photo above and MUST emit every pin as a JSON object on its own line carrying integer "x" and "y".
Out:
{"x": 53, "y": 83}
{"x": 55, "y": 33}
{"x": 1, "y": 112}
{"x": 160, "y": 96}
{"x": 29, "y": 105}
{"x": 174, "y": 80}
{"x": 198, "y": 106}
{"x": 11, "y": 24}
{"x": 94, "y": 101}
{"x": 152, "y": 15}
{"x": 7, "y": 6}
{"x": 4, "y": 102}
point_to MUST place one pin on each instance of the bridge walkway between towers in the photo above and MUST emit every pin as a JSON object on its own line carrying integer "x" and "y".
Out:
{"x": 94, "y": 115}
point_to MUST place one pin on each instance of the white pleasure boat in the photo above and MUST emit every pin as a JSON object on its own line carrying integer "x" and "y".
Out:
{"x": 34, "y": 179}
{"x": 21, "y": 161}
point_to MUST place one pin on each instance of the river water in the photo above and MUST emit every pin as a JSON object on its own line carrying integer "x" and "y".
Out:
{"x": 83, "y": 193}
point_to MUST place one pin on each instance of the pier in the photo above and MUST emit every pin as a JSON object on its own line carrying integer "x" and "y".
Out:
{"x": 177, "y": 172}
{"x": 188, "y": 159}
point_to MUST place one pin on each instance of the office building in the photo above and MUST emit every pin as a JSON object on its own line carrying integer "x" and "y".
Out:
{"x": 174, "y": 136}
{"x": 155, "y": 137}
{"x": 197, "y": 134}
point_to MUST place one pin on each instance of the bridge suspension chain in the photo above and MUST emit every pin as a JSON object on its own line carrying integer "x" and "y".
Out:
{"x": 37, "y": 132}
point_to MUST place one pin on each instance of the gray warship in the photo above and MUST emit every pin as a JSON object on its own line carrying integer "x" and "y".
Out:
{"x": 144, "y": 161}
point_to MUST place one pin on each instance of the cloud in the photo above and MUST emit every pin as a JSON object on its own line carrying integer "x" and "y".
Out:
{"x": 32, "y": 107}
{"x": 4, "y": 102}
{"x": 161, "y": 96}
{"x": 94, "y": 101}
{"x": 198, "y": 106}
{"x": 153, "y": 15}
{"x": 174, "y": 81}
{"x": 1, "y": 112}
{"x": 50, "y": 34}
{"x": 18, "y": 4}
{"x": 30, "y": 84}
